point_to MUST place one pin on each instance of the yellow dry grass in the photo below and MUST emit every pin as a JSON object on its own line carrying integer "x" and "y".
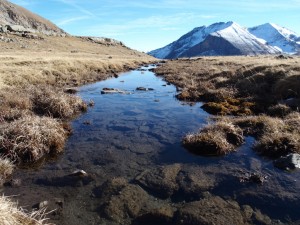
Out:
{"x": 6, "y": 169}
{"x": 11, "y": 214}
{"x": 62, "y": 61}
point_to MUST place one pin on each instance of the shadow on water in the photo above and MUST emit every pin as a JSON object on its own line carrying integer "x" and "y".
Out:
{"x": 129, "y": 133}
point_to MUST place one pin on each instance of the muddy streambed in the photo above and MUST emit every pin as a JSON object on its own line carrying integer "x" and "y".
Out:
{"x": 138, "y": 172}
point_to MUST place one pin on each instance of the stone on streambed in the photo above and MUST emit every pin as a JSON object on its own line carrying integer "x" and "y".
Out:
{"x": 175, "y": 181}
{"x": 211, "y": 210}
{"x": 77, "y": 178}
{"x": 289, "y": 162}
{"x": 161, "y": 181}
{"x": 126, "y": 203}
{"x": 112, "y": 91}
{"x": 144, "y": 89}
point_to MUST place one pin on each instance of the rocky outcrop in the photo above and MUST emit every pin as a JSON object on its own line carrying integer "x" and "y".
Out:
{"x": 103, "y": 41}
{"x": 14, "y": 18}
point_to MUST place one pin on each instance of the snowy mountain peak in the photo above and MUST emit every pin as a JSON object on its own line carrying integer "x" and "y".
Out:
{"x": 277, "y": 36}
{"x": 224, "y": 38}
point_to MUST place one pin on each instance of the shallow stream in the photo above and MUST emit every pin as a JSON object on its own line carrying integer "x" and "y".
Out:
{"x": 126, "y": 134}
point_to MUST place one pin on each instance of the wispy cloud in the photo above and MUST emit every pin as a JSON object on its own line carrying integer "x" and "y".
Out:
{"x": 78, "y": 7}
{"x": 70, "y": 20}
{"x": 167, "y": 22}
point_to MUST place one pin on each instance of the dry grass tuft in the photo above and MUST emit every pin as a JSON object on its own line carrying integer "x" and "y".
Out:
{"x": 218, "y": 139}
{"x": 30, "y": 138}
{"x": 275, "y": 145}
{"x": 6, "y": 169}
{"x": 279, "y": 110}
{"x": 52, "y": 102}
{"x": 275, "y": 136}
{"x": 11, "y": 214}
{"x": 232, "y": 106}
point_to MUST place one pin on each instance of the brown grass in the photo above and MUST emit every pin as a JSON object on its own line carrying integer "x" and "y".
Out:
{"x": 31, "y": 137}
{"x": 217, "y": 139}
{"x": 262, "y": 81}
{"x": 6, "y": 169}
{"x": 52, "y": 102}
{"x": 275, "y": 136}
{"x": 11, "y": 214}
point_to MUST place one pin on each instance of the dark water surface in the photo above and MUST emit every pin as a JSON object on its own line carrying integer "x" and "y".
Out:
{"x": 125, "y": 134}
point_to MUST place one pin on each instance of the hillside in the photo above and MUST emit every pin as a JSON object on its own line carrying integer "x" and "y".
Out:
{"x": 12, "y": 15}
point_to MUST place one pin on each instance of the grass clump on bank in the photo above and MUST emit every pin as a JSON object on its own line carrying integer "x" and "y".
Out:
{"x": 48, "y": 101}
{"x": 11, "y": 214}
{"x": 275, "y": 137}
{"x": 217, "y": 139}
{"x": 30, "y": 138}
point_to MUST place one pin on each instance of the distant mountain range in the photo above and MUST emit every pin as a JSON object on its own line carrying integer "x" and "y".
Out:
{"x": 231, "y": 39}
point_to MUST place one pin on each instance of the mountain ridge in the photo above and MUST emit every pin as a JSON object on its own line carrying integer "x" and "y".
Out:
{"x": 220, "y": 39}
{"x": 275, "y": 35}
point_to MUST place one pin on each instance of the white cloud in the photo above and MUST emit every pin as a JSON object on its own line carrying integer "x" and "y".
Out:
{"x": 70, "y": 20}
{"x": 168, "y": 22}
{"x": 78, "y": 7}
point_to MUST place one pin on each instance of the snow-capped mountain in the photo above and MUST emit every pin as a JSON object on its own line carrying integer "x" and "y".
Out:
{"x": 277, "y": 36}
{"x": 217, "y": 39}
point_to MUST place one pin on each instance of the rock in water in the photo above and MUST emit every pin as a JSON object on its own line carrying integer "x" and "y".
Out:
{"x": 289, "y": 162}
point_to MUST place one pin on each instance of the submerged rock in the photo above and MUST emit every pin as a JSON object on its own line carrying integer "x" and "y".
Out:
{"x": 160, "y": 181}
{"x": 76, "y": 179}
{"x": 125, "y": 205}
{"x": 144, "y": 89}
{"x": 112, "y": 91}
{"x": 212, "y": 210}
{"x": 289, "y": 162}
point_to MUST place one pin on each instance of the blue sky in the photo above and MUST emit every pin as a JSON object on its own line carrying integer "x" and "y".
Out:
{"x": 148, "y": 24}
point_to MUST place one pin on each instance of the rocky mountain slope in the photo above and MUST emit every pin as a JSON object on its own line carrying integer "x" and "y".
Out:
{"x": 286, "y": 40}
{"x": 217, "y": 39}
{"x": 15, "y": 18}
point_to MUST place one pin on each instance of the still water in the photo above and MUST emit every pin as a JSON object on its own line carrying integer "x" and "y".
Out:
{"x": 127, "y": 133}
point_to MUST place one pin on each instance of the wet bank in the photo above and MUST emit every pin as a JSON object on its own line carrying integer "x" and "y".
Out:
{"x": 129, "y": 144}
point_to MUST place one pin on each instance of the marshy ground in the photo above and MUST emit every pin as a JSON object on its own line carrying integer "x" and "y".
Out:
{"x": 257, "y": 96}
{"x": 129, "y": 143}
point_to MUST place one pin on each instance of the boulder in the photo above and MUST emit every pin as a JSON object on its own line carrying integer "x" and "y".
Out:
{"x": 289, "y": 162}
{"x": 18, "y": 28}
